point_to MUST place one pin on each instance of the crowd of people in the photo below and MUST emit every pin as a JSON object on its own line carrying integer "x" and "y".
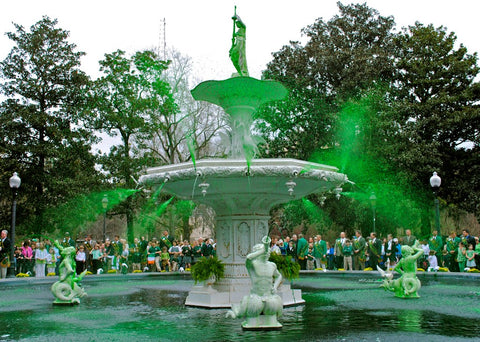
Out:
{"x": 41, "y": 257}
{"x": 455, "y": 253}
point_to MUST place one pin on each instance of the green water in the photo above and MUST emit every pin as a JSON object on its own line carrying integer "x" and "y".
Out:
{"x": 336, "y": 309}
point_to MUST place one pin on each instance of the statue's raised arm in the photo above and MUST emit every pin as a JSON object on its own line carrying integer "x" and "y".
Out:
{"x": 237, "y": 51}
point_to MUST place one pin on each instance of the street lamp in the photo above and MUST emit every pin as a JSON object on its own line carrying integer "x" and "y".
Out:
{"x": 14, "y": 183}
{"x": 105, "y": 206}
{"x": 435, "y": 182}
{"x": 373, "y": 202}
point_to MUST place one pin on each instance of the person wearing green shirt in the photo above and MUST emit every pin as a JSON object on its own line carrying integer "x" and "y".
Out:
{"x": 302, "y": 250}
{"x": 359, "y": 245}
{"x": 347, "y": 256}
{"x": 196, "y": 251}
{"x": 338, "y": 250}
{"x": 435, "y": 243}
{"x": 461, "y": 258}
{"x": 452, "y": 249}
{"x": 320, "y": 252}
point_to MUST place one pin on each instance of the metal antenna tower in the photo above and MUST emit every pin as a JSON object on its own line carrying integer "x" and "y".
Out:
{"x": 162, "y": 42}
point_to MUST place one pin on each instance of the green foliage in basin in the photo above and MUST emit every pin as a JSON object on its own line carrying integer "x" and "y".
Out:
{"x": 207, "y": 267}
{"x": 288, "y": 268}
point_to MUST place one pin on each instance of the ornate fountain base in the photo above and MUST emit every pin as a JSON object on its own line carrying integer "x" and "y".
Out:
{"x": 235, "y": 236}
{"x": 242, "y": 196}
{"x": 224, "y": 295}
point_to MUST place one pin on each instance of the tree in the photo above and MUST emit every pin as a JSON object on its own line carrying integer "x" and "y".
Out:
{"x": 129, "y": 101}
{"x": 385, "y": 108}
{"x": 342, "y": 58}
{"x": 42, "y": 131}
{"x": 437, "y": 111}
{"x": 188, "y": 133}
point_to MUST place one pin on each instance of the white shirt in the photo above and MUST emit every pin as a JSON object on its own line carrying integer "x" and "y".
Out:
{"x": 81, "y": 256}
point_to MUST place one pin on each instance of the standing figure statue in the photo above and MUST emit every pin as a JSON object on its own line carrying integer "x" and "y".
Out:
{"x": 66, "y": 289}
{"x": 408, "y": 284}
{"x": 237, "y": 51}
{"x": 262, "y": 306}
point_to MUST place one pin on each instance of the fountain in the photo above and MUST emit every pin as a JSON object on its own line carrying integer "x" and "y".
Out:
{"x": 241, "y": 189}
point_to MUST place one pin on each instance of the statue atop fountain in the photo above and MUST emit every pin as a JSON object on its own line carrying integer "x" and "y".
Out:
{"x": 238, "y": 51}
{"x": 263, "y": 305}
{"x": 66, "y": 290}
{"x": 408, "y": 284}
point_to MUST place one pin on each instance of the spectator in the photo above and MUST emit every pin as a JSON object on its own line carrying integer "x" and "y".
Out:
{"x": 330, "y": 257}
{"x": 81, "y": 259}
{"x": 5, "y": 249}
{"x": 310, "y": 258}
{"x": 97, "y": 255}
{"x": 461, "y": 258}
{"x": 374, "y": 250}
{"x": 165, "y": 256}
{"x": 470, "y": 255}
{"x": 186, "y": 255}
{"x": 302, "y": 250}
{"x": 174, "y": 252}
{"x": 41, "y": 255}
{"x": 196, "y": 250}
{"x": 432, "y": 261}
{"x": 359, "y": 249}
{"x": 338, "y": 250}
{"x": 409, "y": 239}
{"x": 347, "y": 256}
{"x": 51, "y": 261}
{"x": 320, "y": 252}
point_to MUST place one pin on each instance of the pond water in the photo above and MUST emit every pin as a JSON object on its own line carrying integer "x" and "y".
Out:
{"x": 146, "y": 308}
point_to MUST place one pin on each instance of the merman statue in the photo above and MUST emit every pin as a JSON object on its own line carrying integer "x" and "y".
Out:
{"x": 66, "y": 289}
{"x": 262, "y": 306}
{"x": 408, "y": 284}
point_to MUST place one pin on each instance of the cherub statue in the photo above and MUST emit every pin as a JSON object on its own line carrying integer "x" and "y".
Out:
{"x": 263, "y": 305}
{"x": 66, "y": 289}
{"x": 408, "y": 284}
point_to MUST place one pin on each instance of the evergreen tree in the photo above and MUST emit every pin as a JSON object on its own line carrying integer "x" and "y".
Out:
{"x": 42, "y": 131}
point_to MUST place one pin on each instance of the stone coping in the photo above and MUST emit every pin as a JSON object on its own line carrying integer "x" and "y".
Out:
{"x": 10, "y": 282}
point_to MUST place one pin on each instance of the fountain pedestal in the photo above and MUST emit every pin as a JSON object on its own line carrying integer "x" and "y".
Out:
{"x": 235, "y": 236}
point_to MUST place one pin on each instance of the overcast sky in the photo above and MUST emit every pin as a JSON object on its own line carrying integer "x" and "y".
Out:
{"x": 202, "y": 29}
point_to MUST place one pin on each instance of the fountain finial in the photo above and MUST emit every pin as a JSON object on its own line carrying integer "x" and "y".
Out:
{"x": 237, "y": 51}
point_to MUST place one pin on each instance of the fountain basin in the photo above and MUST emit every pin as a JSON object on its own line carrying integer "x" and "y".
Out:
{"x": 234, "y": 186}
{"x": 339, "y": 306}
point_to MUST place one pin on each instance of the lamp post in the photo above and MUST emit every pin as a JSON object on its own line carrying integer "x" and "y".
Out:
{"x": 435, "y": 182}
{"x": 373, "y": 202}
{"x": 105, "y": 206}
{"x": 14, "y": 183}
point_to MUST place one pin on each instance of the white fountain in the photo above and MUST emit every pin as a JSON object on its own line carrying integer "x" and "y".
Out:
{"x": 241, "y": 189}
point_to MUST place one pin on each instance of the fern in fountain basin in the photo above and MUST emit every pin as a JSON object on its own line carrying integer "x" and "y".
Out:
{"x": 289, "y": 269}
{"x": 205, "y": 268}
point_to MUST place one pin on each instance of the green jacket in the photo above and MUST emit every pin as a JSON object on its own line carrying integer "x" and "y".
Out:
{"x": 319, "y": 249}
{"x": 436, "y": 244}
{"x": 302, "y": 248}
{"x": 347, "y": 250}
{"x": 359, "y": 244}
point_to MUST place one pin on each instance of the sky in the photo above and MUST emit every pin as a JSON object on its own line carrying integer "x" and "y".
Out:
{"x": 203, "y": 29}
